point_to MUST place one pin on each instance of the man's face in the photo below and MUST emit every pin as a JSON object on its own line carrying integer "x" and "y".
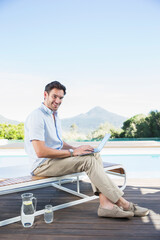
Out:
{"x": 54, "y": 99}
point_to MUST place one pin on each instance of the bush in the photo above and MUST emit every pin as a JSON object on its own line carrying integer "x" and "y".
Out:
{"x": 11, "y": 131}
{"x": 141, "y": 126}
{"x": 104, "y": 128}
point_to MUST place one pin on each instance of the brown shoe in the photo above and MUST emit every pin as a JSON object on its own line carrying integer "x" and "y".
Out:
{"x": 116, "y": 212}
{"x": 138, "y": 211}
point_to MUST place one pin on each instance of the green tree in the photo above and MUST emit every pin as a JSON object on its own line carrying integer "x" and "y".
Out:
{"x": 74, "y": 127}
{"x": 2, "y": 130}
{"x": 11, "y": 131}
{"x": 132, "y": 125}
{"x": 104, "y": 128}
{"x": 116, "y": 133}
{"x": 153, "y": 121}
{"x": 20, "y": 131}
{"x": 141, "y": 126}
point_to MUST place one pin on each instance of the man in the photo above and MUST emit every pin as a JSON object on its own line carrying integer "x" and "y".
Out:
{"x": 51, "y": 156}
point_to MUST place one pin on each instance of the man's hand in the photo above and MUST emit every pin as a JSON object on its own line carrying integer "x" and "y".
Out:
{"x": 83, "y": 150}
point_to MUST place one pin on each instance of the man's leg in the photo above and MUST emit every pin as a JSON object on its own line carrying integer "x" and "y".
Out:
{"x": 102, "y": 185}
{"x": 91, "y": 164}
{"x": 108, "y": 192}
{"x": 104, "y": 201}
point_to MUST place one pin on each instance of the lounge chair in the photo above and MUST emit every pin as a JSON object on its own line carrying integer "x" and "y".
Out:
{"x": 12, "y": 185}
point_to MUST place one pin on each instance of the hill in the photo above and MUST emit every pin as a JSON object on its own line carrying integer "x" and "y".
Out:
{"x": 85, "y": 122}
{"x": 92, "y": 119}
{"x": 9, "y": 121}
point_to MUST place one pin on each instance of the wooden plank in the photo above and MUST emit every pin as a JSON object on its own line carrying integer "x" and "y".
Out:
{"x": 89, "y": 232}
{"x": 81, "y": 221}
{"x": 64, "y": 237}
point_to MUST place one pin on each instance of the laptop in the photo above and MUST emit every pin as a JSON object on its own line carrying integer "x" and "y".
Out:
{"x": 101, "y": 145}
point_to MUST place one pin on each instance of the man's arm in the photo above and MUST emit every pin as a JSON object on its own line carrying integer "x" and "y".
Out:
{"x": 67, "y": 146}
{"x": 43, "y": 151}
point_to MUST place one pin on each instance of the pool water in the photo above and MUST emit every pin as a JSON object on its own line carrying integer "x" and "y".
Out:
{"x": 14, "y": 166}
{"x": 136, "y": 165}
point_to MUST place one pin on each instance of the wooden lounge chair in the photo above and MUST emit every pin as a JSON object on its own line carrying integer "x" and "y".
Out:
{"x": 12, "y": 185}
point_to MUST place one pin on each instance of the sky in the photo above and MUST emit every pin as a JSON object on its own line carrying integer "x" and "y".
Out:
{"x": 106, "y": 53}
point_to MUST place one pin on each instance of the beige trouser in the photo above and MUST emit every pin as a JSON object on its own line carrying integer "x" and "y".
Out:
{"x": 91, "y": 164}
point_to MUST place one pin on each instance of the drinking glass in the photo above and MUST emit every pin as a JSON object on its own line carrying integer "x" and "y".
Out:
{"x": 48, "y": 214}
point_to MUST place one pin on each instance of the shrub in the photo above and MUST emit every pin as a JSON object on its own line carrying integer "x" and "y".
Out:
{"x": 11, "y": 131}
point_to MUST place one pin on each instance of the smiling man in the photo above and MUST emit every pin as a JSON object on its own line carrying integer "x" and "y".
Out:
{"x": 51, "y": 156}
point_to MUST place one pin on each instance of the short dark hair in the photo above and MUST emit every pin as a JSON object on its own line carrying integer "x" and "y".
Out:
{"x": 55, "y": 84}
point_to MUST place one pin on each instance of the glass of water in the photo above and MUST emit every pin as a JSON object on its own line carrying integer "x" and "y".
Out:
{"x": 48, "y": 214}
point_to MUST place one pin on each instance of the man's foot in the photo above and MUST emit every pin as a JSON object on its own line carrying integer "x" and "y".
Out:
{"x": 116, "y": 212}
{"x": 138, "y": 211}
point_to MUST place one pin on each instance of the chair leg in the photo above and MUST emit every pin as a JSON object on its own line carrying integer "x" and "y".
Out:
{"x": 78, "y": 186}
{"x": 125, "y": 181}
{"x": 120, "y": 175}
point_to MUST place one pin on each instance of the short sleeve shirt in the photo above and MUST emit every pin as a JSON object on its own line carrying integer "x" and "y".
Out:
{"x": 40, "y": 125}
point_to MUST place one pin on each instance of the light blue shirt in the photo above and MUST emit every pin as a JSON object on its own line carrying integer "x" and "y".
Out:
{"x": 40, "y": 125}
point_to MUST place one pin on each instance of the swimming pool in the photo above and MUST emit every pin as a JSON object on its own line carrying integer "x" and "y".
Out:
{"x": 138, "y": 163}
{"x": 137, "y": 166}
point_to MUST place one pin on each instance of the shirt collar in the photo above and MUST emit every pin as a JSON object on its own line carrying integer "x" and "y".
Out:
{"x": 47, "y": 110}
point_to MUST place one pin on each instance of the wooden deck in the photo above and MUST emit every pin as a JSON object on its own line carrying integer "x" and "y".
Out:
{"x": 81, "y": 221}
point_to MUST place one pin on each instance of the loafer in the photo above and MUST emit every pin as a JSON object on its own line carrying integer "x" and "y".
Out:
{"x": 116, "y": 212}
{"x": 137, "y": 210}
